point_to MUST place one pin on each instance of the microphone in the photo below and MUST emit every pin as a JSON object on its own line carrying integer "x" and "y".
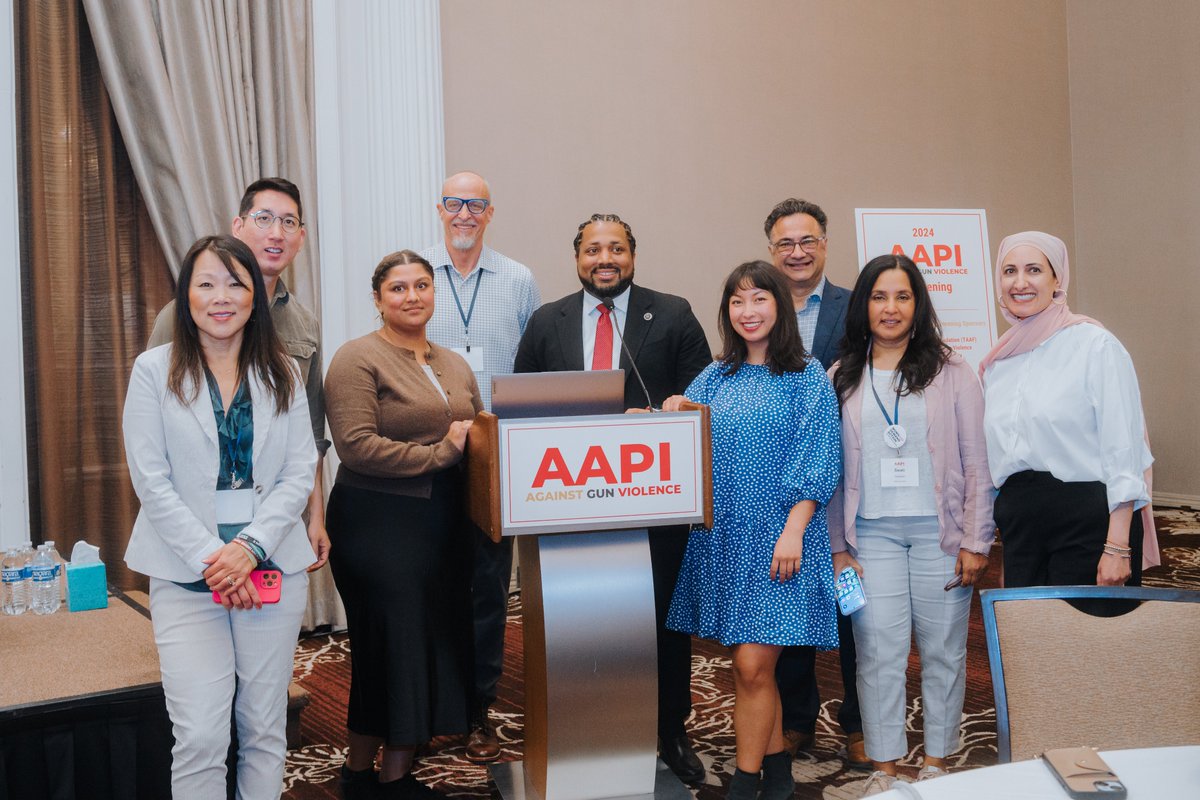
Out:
{"x": 608, "y": 303}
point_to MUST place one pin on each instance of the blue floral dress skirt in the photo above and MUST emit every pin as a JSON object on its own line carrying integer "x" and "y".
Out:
{"x": 776, "y": 440}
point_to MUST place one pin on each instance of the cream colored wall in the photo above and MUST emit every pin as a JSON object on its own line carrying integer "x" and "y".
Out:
{"x": 1135, "y": 131}
{"x": 692, "y": 118}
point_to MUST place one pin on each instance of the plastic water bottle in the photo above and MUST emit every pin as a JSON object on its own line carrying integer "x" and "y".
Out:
{"x": 60, "y": 570}
{"x": 45, "y": 583}
{"x": 15, "y": 589}
{"x": 26, "y": 552}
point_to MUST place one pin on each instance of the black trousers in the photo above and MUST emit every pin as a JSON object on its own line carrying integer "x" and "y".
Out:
{"x": 489, "y": 600}
{"x": 1053, "y": 531}
{"x": 667, "y": 546}
{"x": 797, "y": 678}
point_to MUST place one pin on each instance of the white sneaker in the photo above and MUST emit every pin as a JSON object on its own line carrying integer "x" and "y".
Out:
{"x": 878, "y": 783}
{"x": 929, "y": 772}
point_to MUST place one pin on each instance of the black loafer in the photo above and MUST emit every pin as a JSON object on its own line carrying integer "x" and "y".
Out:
{"x": 680, "y": 758}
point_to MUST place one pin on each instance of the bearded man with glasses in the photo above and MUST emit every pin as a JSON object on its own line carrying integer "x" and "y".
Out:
{"x": 484, "y": 301}
{"x": 270, "y": 222}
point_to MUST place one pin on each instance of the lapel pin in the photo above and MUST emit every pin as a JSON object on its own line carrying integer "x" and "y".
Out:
{"x": 647, "y": 316}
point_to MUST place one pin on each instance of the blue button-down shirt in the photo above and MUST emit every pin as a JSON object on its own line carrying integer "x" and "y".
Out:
{"x": 507, "y": 299}
{"x": 806, "y": 317}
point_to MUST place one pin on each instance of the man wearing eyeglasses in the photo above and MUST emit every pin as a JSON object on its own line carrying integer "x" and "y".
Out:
{"x": 269, "y": 222}
{"x": 577, "y": 332}
{"x": 484, "y": 300}
{"x": 796, "y": 238}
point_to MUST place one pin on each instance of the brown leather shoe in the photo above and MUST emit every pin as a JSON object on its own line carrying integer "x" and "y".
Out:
{"x": 856, "y": 752}
{"x": 794, "y": 741}
{"x": 482, "y": 744}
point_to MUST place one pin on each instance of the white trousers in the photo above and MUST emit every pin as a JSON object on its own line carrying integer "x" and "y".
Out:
{"x": 206, "y": 655}
{"x": 904, "y": 572}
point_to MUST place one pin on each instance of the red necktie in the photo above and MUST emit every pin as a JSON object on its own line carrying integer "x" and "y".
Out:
{"x": 602, "y": 355}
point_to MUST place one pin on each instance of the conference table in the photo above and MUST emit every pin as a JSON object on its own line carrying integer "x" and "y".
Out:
{"x": 1152, "y": 773}
{"x": 82, "y": 714}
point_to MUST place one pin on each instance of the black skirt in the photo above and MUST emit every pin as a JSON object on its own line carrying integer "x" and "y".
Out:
{"x": 403, "y": 568}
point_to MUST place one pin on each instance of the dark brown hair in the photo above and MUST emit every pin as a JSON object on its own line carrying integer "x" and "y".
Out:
{"x": 785, "y": 351}
{"x": 395, "y": 259}
{"x": 926, "y": 352}
{"x": 281, "y": 185}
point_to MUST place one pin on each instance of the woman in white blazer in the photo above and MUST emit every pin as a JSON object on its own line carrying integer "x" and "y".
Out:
{"x": 221, "y": 455}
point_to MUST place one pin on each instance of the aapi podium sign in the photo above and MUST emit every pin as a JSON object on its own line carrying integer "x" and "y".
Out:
{"x": 562, "y": 474}
{"x": 950, "y": 247}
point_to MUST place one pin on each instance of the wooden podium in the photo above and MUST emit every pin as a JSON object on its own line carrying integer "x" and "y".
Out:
{"x": 582, "y": 491}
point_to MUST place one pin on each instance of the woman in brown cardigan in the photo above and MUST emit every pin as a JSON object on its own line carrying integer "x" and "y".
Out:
{"x": 399, "y": 408}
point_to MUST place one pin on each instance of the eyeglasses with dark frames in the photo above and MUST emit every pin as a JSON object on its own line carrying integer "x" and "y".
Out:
{"x": 475, "y": 205}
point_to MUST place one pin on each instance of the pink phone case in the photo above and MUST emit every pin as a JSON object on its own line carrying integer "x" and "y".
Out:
{"x": 267, "y": 581}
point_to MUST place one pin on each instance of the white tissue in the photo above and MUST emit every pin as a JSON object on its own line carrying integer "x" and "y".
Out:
{"x": 84, "y": 553}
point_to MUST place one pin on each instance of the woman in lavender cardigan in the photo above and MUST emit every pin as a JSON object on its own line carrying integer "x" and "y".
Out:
{"x": 913, "y": 514}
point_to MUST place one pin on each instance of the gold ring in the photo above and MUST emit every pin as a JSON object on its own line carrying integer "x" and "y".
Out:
{"x": 232, "y": 582}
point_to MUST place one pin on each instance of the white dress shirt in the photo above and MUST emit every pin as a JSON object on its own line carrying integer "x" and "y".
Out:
{"x": 591, "y": 315}
{"x": 1070, "y": 407}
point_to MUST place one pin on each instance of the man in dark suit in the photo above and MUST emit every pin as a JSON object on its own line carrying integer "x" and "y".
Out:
{"x": 669, "y": 347}
{"x": 796, "y": 238}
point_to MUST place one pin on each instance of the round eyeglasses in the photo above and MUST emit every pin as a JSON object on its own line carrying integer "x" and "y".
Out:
{"x": 265, "y": 219}
{"x": 785, "y": 247}
{"x": 476, "y": 205}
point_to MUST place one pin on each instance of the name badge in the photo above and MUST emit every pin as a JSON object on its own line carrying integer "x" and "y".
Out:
{"x": 235, "y": 506}
{"x": 895, "y": 472}
{"x": 473, "y": 357}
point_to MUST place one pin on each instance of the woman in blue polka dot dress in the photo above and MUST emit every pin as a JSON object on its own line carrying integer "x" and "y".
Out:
{"x": 762, "y": 577}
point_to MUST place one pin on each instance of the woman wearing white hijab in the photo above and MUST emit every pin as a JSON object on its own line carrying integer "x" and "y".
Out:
{"x": 1065, "y": 432}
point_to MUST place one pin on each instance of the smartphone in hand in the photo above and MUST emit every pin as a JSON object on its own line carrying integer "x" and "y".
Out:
{"x": 849, "y": 592}
{"x": 267, "y": 581}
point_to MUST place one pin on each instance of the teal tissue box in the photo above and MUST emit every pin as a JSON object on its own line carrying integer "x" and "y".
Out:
{"x": 87, "y": 587}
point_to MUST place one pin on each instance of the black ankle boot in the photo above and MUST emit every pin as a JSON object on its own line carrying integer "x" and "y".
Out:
{"x": 777, "y": 781}
{"x": 742, "y": 786}
{"x": 358, "y": 784}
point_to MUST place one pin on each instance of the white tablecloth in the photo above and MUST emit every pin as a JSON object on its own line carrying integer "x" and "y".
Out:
{"x": 1155, "y": 773}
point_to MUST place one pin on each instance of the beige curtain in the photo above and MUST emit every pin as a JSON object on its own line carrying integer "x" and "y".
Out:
{"x": 93, "y": 276}
{"x": 210, "y": 96}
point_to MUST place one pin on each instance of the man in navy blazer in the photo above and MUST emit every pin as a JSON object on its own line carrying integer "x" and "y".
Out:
{"x": 670, "y": 350}
{"x": 796, "y": 237}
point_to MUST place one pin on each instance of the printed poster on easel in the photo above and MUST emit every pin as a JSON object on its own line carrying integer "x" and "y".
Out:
{"x": 950, "y": 247}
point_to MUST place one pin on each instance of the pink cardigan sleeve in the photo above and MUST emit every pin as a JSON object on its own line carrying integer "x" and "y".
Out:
{"x": 979, "y": 526}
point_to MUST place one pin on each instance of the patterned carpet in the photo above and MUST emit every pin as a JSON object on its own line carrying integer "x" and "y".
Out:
{"x": 322, "y": 666}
